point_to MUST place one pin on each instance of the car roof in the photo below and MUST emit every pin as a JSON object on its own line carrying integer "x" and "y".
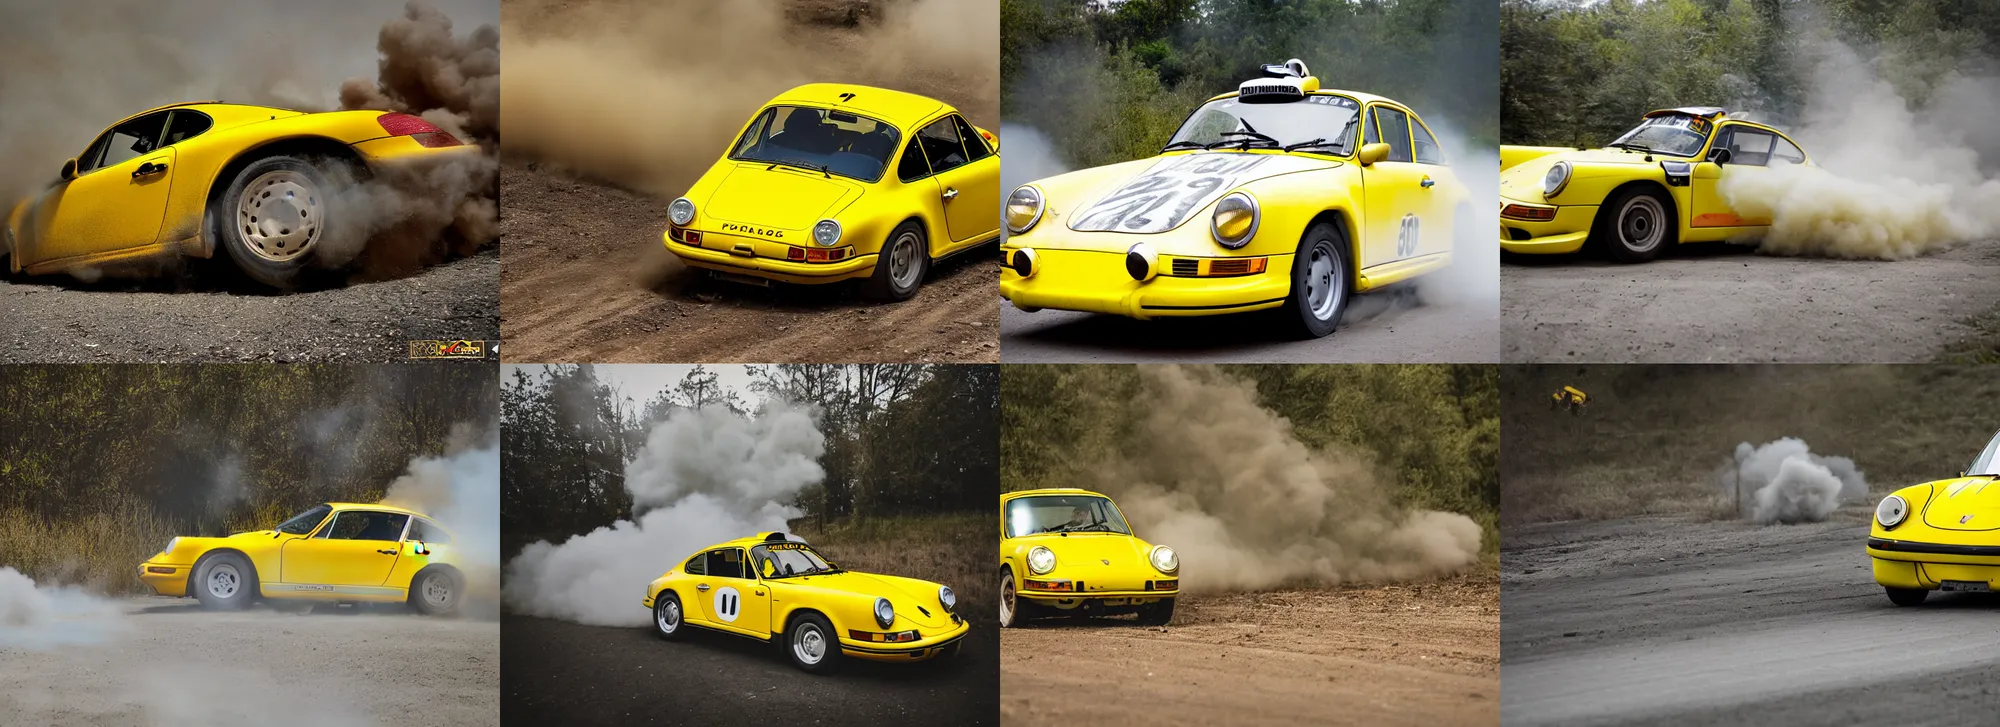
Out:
{"x": 896, "y": 107}
{"x": 212, "y": 107}
{"x": 338, "y": 506}
{"x": 1053, "y": 491}
{"x": 1712, "y": 113}
{"x": 1364, "y": 98}
{"x": 755, "y": 540}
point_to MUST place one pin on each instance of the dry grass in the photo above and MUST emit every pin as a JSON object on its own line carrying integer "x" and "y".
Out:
{"x": 99, "y": 552}
{"x": 957, "y": 550}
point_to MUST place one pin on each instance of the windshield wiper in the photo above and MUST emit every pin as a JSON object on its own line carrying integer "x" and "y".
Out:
{"x": 1311, "y": 144}
{"x": 1184, "y": 145}
{"x": 1249, "y": 137}
{"x": 1632, "y": 146}
{"x": 800, "y": 165}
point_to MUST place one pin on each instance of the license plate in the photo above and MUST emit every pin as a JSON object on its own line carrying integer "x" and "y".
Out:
{"x": 1965, "y": 587}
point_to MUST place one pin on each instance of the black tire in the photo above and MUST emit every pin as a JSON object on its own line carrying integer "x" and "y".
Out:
{"x": 1014, "y": 610}
{"x": 1637, "y": 225}
{"x": 669, "y": 619}
{"x": 224, "y": 582}
{"x": 885, "y": 284}
{"x": 300, "y": 198}
{"x": 437, "y": 592}
{"x": 1906, "y": 596}
{"x": 797, "y": 645}
{"x": 1300, "y": 316}
{"x": 1157, "y": 613}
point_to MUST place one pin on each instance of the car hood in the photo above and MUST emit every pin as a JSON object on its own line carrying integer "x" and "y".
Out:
{"x": 1085, "y": 552}
{"x": 1966, "y": 503}
{"x": 1524, "y": 181}
{"x": 907, "y": 595}
{"x": 781, "y": 198}
{"x": 1152, "y": 196}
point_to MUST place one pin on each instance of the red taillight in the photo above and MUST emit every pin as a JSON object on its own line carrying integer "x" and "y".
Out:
{"x": 423, "y": 132}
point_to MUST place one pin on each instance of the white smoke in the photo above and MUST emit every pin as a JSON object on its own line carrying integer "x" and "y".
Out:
{"x": 44, "y": 618}
{"x": 1473, "y": 280}
{"x": 1784, "y": 482}
{"x": 461, "y": 490}
{"x": 703, "y": 476}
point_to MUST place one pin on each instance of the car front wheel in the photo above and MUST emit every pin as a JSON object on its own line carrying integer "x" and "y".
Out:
{"x": 811, "y": 644}
{"x": 224, "y": 581}
{"x": 1014, "y": 610}
{"x": 900, "y": 268}
{"x": 1640, "y": 226}
{"x": 1320, "y": 276}
{"x": 1157, "y": 613}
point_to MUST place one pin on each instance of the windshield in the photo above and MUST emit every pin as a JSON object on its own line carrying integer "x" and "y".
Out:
{"x": 780, "y": 560}
{"x": 1988, "y": 462}
{"x": 1324, "y": 122}
{"x": 821, "y": 140}
{"x": 1674, "y": 135}
{"x": 1063, "y": 514}
{"x": 303, "y": 523}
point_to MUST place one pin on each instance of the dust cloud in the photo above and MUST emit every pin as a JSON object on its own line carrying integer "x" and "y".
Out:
{"x": 1890, "y": 182}
{"x": 648, "y": 95}
{"x": 1246, "y": 505}
{"x": 1784, "y": 482}
{"x": 703, "y": 476}
{"x": 44, "y": 618}
{"x": 461, "y": 490}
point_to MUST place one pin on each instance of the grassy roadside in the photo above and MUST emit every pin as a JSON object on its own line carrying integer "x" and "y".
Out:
{"x": 958, "y": 550}
{"x": 1982, "y": 346}
{"x": 100, "y": 552}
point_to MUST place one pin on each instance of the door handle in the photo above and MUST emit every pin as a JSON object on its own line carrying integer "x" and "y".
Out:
{"x": 386, "y": 552}
{"x": 950, "y": 194}
{"x": 1428, "y": 183}
{"x": 702, "y": 587}
{"x": 760, "y": 593}
{"x": 148, "y": 169}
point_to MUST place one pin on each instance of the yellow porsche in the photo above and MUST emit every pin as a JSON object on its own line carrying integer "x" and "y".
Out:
{"x": 831, "y": 182}
{"x": 779, "y": 590}
{"x": 1279, "y": 196}
{"x": 1068, "y": 551}
{"x": 334, "y": 552}
{"x": 1941, "y": 536}
{"x": 261, "y": 184}
{"x": 1654, "y": 186}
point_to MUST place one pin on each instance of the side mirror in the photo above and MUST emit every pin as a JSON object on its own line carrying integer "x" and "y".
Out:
{"x": 1719, "y": 156}
{"x": 69, "y": 170}
{"x": 1372, "y": 153}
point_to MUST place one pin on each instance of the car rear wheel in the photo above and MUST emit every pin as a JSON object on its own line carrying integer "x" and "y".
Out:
{"x": 1906, "y": 596}
{"x": 902, "y": 264}
{"x": 667, "y": 616}
{"x": 1157, "y": 613}
{"x": 1014, "y": 610}
{"x": 224, "y": 581}
{"x": 275, "y": 217}
{"x": 437, "y": 592}
{"x": 1639, "y": 227}
{"x": 811, "y": 644}
{"x": 1320, "y": 284}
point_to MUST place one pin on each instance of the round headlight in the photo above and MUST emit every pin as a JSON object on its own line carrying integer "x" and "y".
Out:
{"x": 681, "y": 211}
{"x": 1235, "y": 220}
{"x": 1552, "y": 183}
{"x": 946, "y": 597}
{"x": 885, "y": 614}
{"x": 1164, "y": 559}
{"x": 1141, "y": 262}
{"x": 1024, "y": 209}
{"x": 1041, "y": 560}
{"x": 826, "y": 233}
{"x": 1892, "y": 511}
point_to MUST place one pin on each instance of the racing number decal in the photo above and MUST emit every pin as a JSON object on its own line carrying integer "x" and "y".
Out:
{"x": 1406, "y": 239}
{"x": 728, "y": 603}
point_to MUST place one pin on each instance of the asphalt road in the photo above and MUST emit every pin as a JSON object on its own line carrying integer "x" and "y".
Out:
{"x": 557, "y": 672}
{"x": 1725, "y": 303}
{"x": 1669, "y": 621}
{"x": 166, "y": 661}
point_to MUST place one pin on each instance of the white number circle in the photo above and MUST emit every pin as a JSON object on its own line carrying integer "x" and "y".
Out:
{"x": 728, "y": 603}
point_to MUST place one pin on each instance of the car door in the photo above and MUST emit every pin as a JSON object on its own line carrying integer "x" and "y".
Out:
{"x": 731, "y": 596}
{"x": 1751, "y": 152}
{"x": 355, "y": 548}
{"x": 968, "y": 189}
{"x": 1438, "y": 207}
{"x": 116, "y": 201}
{"x": 1395, "y": 190}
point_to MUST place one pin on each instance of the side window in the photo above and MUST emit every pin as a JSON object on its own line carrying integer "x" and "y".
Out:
{"x": 1783, "y": 150}
{"x": 185, "y": 124}
{"x": 1427, "y": 149}
{"x": 725, "y": 563}
{"x": 941, "y": 146}
{"x": 913, "y": 166}
{"x": 696, "y": 566}
{"x": 1749, "y": 146}
{"x": 366, "y": 525}
{"x": 427, "y": 532}
{"x": 975, "y": 145}
{"x": 90, "y": 156}
{"x": 133, "y": 138}
{"x": 1371, "y": 135}
{"x": 754, "y": 135}
{"x": 1395, "y": 132}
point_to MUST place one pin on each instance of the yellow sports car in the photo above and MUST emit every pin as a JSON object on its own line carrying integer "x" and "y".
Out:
{"x": 1069, "y": 551}
{"x": 337, "y": 552}
{"x": 1657, "y": 185}
{"x": 1941, "y": 536}
{"x": 833, "y": 182}
{"x": 1281, "y": 195}
{"x": 259, "y": 183}
{"x": 779, "y": 590}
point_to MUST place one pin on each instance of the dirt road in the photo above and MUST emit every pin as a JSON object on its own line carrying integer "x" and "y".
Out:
{"x": 1668, "y": 621}
{"x": 563, "y": 673}
{"x": 168, "y": 662}
{"x": 1425, "y": 654}
{"x": 216, "y": 316}
{"x": 1724, "y": 303}
{"x": 1388, "y": 327}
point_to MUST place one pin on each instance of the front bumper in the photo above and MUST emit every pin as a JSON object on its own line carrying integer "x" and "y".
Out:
{"x": 1916, "y": 564}
{"x": 1564, "y": 234}
{"x": 714, "y": 253}
{"x": 924, "y": 649}
{"x": 1096, "y": 282}
{"x": 166, "y": 579}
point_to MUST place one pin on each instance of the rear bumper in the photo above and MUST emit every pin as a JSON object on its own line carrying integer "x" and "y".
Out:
{"x": 1096, "y": 282}
{"x": 166, "y": 579}
{"x": 924, "y": 649}
{"x": 1564, "y": 234}
{"x": 784, "y": 271}
{"x": 404, "y": 150}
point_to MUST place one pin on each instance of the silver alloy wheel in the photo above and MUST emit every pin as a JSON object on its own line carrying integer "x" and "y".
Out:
{"x": 903, "y": 260}
{"x": 280, "y": 215}
{"x": 223, "y": 580}
{"x": 668, "y": 615}
{"x": 808, "y": 644}
{"x": 1641, "y": 223}
{"x": 1324, "y": 283}
{"x": 436, "y": 590}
